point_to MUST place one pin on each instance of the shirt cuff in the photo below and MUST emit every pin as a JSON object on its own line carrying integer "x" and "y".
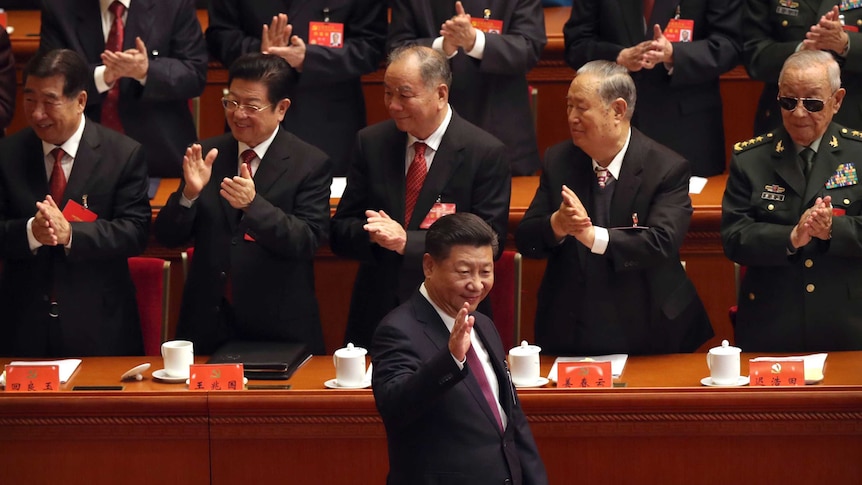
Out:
{"x": 460, "y": 363}
{"x": 479, "y": 46}
{"x": 600, "y": 242}
{"x": 99, "y": 78}
{"x": 437, "y": 45}
{"x": 31, "y": 239}
{"x": 186, "y": 202}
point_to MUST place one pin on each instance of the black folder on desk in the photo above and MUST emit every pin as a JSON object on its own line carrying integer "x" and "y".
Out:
{"x": 263, "y": 360}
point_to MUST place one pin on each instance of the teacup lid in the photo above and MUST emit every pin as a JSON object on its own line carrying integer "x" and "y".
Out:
{"x": 725, "y": 349}
{"x": 525, "y": 349}
{"x": 350, "y": 351}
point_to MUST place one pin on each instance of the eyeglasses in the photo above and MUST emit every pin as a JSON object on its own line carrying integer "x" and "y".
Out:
{"x": 812, "y": 105}
{"x": 231, "y": 105}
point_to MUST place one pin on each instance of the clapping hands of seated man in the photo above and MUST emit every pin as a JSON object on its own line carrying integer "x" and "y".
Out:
{"x": 238, "y": 190}
{"x": 278, "y": 39}
{"x": 816, "y": 222}
{"x": 132, "y": 63}
{"x": 458, "y": 32}
{"x": 385, "y": 231}
{"x": 50, "y": 227}
{"x": 571, "y": 219}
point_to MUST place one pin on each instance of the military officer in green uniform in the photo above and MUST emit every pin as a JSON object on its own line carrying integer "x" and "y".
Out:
{"x": 792, "y": 213}
{"x": 772, "y": 30}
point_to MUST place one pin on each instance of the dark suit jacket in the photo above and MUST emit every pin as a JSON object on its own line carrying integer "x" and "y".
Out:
{"x": 682, "y": 110}
{"x": 771, "y": 37}
{"x": 491, "y": 93}
{"x": 469, "y": 170}
{"x": 272, "y": 277}
{"x": 635, "y": 298}
{"x": 812, "y": 300}
{"x": 327, "y": 104}
{"x": 156, "y": 115}
{"x": 8, "y": 84}
{"x": 90, "y": 281}
{"x": 439, "y": 427}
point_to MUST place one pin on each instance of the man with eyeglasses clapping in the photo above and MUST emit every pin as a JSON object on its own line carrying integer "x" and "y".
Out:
{"x": 792, "y": 213}
{"x": 255, "y": 202}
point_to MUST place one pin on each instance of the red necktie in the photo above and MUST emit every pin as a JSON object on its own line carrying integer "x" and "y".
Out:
{"x": 111, "y": 103}
{"x": 415, "y": 178}
{"x": 479, "y": 372}
{"x": 247, "y": 156}
{"x": 57, "y": 184}
{"x": 648, "y": 6}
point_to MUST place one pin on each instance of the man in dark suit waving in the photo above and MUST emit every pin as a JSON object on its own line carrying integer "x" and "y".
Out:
{"x": 425, "y": 162}
{"x": 610, "y": 214}
{"x": 440, "y": 378}
{"x": 256, "y": 203}
{"x": 65, "y": 286}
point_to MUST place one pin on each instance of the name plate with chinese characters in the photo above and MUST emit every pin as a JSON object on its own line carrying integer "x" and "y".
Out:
{"x": 584, "y": 374}
{"x": 215, "y": 377}
{"x": 776, "y": 373}
{"x": 32, "y": 378}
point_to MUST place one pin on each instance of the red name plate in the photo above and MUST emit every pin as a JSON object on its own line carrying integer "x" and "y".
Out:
{"x": 215, "y": 377}
{"x": 584, "y": 374}
{"x": 776, "y": 373}
{"x": 32, "y": 378}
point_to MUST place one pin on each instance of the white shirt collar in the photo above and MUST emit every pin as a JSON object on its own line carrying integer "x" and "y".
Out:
{"x": 104, "y": 4}
{"x": 447, "y": 320}
{"x": 617, "y": 162}
{"x": 261, "y": 148}
{"x": 69, "y": 146}
{"x": 433, "y": 141}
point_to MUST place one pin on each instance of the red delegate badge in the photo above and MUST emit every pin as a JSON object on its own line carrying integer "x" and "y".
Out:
{"x": 488, "y": 26}
{"x": 437, "y": 211}
{"x": 679, "y": 30}
{"x": 75, "y": 212}
{"x": 326, "y": 34}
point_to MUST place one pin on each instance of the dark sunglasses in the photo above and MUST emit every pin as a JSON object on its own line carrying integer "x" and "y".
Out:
{"x": 812, "y": 105}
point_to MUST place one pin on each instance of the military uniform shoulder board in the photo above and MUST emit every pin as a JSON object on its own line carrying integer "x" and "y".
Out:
{"x": 741, "y": 146}
{"x": 851, "y": 134}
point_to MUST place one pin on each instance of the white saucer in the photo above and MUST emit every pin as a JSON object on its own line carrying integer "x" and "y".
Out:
{"x": 539, "y": 383}
{"x": 163, "y": 376}
{"x": 740, "y": 381}
{"x": 333, "y": 384}
{"x": 135, "y": 372}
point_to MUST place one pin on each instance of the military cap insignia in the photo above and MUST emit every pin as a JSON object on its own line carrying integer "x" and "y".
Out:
{"x": 757, "y": 140}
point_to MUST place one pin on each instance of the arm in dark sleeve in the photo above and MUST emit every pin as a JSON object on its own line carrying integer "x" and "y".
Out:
{"x": 517, "y": 50}
{"x": 347, "y": 238}
{"x": 706, "y": 58}
{"x": 581, "y": 35}
{"x": 224, "y": 37}
{"x": 762, "y": 53}
{"x": 7, "y": 81}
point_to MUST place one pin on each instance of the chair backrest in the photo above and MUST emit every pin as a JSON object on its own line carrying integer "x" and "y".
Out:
{"x": 506, "y": 298}
{"x": 187, "y": 261}
{"x": 152, "y": 277}
{"x": 738, "y": 274}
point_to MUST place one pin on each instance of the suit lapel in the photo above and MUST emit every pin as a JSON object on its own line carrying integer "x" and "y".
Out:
{"x": 580, "y": 178}
{"x": 139, "y": 22}
{"x": 395, "y": 173}
{"x": 633, "y": 19}
{"x": 89, "y": 28}
{"x": 275, "y": 163}
{"x": 629, "y": 182}
{"x": 786, "y": 162}
{"x": 86, "y": 162}
{"x": 35, "y": 175}
{"x": 663, "y": 11}
{"x": 225, "y": 165}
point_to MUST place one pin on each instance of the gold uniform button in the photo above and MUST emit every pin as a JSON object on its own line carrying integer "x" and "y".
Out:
{"x": 771, "y": 207}
{"x": 859, "y": 22}
{"x": 843, "y": 130}
{"x": 784, "y": 23}
{"x": 809, "y": 263}
{"x": 809, "y": 288}
{"x": 846, "y": 201}
{"x": 751, "y": 296}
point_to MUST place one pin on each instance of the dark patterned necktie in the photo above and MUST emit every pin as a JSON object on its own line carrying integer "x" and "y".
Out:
{"x": 415, "y": 178}
{"x": 57, "y": 184}
{"x": 247, "y": 157}
{"x": 111, "y": 104}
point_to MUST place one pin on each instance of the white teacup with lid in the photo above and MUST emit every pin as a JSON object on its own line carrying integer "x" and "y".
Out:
{"x": 349, "y": 366}
{"x": 723, "y": 363}
{"x": 524, "y": 364}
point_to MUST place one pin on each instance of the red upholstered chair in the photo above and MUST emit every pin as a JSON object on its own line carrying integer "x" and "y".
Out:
{"x": 152, "y": 278}
{"x": 738, "y": 274}
{"x": 187, "y": 261}
{"x": 506, "y": 298}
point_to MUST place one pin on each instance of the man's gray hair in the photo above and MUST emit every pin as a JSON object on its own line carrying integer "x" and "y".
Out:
{"x": 433, "y": 66}
{"x": 806, "y": 59}
{"x": 614, "y": 82}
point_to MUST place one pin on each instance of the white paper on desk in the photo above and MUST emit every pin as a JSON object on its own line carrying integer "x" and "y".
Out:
{"x": 336, "y": 188}
{"x": 696, "y": 185}
{"x": 67, "y": 366}
{"x": 618, "y": 362}
{"x": 813, "y": 364}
